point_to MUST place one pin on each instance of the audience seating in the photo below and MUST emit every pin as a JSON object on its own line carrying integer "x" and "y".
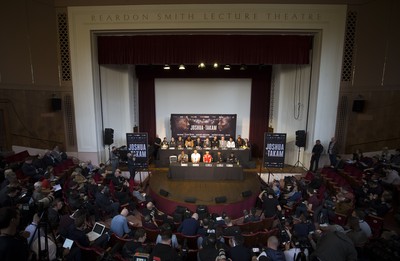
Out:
{"x": 151, "y": 234}
{"x": 376, "y": 224}
{"x": 90, "y": 253}
{"x": 191, "y": 241}
{"x": 116, "y": 243}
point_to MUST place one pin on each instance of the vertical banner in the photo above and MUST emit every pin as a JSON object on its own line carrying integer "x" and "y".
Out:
{"x": 137, "y": 146}
{"x": 274, "y": 150}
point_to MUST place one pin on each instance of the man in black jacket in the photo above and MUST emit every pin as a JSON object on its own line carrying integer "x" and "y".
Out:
{"x": 316, "y": 154}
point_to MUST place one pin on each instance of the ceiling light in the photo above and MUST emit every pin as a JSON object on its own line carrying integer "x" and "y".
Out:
{"x": 215, "y": 65}
{"x": 227, "y": 67}
{"x": 181, "y": 67}
{"x": 167, "y": 67}
{"x": 202, "y": 65}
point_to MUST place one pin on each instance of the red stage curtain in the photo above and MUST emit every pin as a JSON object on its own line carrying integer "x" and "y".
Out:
{"x": 193, "y": 49}
{"x": 260, "y": 92}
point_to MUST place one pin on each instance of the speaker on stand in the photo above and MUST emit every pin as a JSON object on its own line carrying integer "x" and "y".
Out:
{"x": 300, "y": 142}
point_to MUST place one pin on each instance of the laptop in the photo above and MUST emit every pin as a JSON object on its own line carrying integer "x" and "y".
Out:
{"x": 96, "y": 232}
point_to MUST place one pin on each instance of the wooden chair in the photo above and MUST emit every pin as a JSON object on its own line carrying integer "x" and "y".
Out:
{"x": 256, "y": 226}
{"x": 244, "y": 227}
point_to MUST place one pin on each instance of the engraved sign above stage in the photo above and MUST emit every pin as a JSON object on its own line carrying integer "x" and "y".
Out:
{"x": 137, "y": 146}
{"x": 203, "y": 125}
{"x": 274, "y": 150}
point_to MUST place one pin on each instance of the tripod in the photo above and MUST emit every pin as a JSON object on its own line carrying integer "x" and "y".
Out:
{"x": 298, "y": 162}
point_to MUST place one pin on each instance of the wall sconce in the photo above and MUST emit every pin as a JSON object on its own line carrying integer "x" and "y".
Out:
{"x": 202, "y": 65}
{"x": 243, "y": 67}
{"x": 181, "y": 67}
{"x": 167, "y": 67}
{"x": 227, "y": 67}
{"x": 215, "y": 65}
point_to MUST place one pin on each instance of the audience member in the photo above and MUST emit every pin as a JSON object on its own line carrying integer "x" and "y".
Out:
{"x": 163, "y": 250}
{"x": 272, "y": 252}
{"x": 237, "y": 250}
{"x": 12, "y": 245}
{"x": 189, "y": 226}
{"x": 119, "y": 224}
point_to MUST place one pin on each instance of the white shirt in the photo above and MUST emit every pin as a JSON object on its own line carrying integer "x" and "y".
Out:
{"x": 292, "y": 253}
{"x": 230, "y": 144}
{"x": 195, "y": 157}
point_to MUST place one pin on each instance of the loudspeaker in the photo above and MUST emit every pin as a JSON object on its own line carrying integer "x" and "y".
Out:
{"x": 55, "y": 104}
{"x": 164, "y": 193}
{"x": 358, "y": 105}
{"x": 246, "y": 193}
{"x": 190, "y": 200}
{"x": 108, "y": 136}
{"x": 301, "y": 138}
{"x": 221, "y": 199}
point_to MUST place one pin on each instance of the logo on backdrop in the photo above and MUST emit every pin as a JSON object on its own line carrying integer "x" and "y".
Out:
{"x": 137, "y": 146}
{"x": 203, "y": 125}
{"x": 274, "y": 152}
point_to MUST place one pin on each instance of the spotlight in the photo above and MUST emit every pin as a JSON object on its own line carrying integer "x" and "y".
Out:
{"x": 202, "y": 65}
{"x": 167, "y": 67}
{"x": 227, "y": 67}
{"x": 181, "y": 67}
{"x": 215, "y": 65}
{"x": 243, "y": 67}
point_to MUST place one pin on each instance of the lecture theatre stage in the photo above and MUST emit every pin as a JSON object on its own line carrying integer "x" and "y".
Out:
{"x": 229, "y": 196}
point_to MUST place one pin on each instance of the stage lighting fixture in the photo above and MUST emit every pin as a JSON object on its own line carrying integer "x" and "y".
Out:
{"x": 167, "y": 67}
{"x": 215, "y": 65}
{"x": 202, "y": 65}
{"x": 181, "y": 67}
{"x": 227, "y": 67}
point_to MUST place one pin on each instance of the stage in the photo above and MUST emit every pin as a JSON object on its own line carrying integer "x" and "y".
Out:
{"x": 204, "y": 192}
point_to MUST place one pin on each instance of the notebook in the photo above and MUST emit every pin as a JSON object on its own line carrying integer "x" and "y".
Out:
{"x": 97, "y": 231}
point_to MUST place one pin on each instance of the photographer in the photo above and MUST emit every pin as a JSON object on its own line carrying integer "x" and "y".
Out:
{"x": 270, "y": 205}
{"x": 272, "y": 252}
{"x": 295, "y": 250}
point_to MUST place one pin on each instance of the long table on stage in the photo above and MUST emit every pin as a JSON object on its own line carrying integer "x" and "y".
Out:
{"x": 243, "y": 155}
{"x": 205, "y": 171}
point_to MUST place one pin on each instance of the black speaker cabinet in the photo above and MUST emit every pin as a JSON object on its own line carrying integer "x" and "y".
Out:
{"x": 164, "y": 193}
{"x": 301, "y": 138}
{"x": 108, "y": 136}
{"x": 358, "y": 105}
{"x": 190, "y": 200}
{"x": 56, "y": 104}
{"x": 246, "y": 193}
{"x": 221, "y": 199}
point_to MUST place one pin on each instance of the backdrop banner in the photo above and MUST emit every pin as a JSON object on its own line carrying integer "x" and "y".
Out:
{"x": 274, "y": 150}
{"x": 203, "y": 125}
{"x": 137, "y": 146}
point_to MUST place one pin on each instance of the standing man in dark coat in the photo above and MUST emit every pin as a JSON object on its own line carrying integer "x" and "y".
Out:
{"x": 316, "y": 154}
{"x": 333, "y": 151}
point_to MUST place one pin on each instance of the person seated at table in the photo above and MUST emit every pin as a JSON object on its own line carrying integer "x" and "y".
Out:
{"x": 239, "y": 142}
{"x": 207, "y": 143}
{"x": 189, "y": 143}
{"x": 230, "y": 144}
{"x": 246, "y": 144}
{"x": 164, "y": 144}
{"x": 198, "y": 143}
{"x": 180, "y": 143}
{"x": 232, "y": 159}
{"x": 172, "y": 143}
{"x": 183, "y": 157}
{"x": 195, "y": 157}
{"x": 207, "y": 158}
{"x": 215, "y": 143}
{"x": 222, "y": 143}
{"x": 220, "y": 157}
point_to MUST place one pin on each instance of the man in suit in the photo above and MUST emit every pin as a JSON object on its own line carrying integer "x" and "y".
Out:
{"x": 316, "y": 154}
